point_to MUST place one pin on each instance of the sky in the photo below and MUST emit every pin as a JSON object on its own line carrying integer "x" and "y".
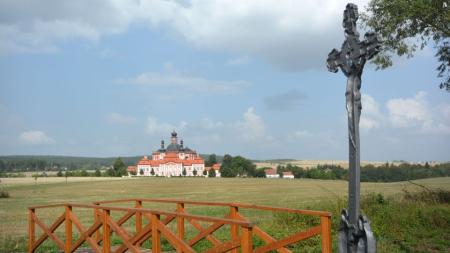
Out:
{"x": 115, "y": 77}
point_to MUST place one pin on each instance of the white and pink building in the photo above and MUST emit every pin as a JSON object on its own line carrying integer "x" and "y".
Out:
{"x": 288, "y": 174}
{"x": 171, "y": 161}
{"x": 271, "y": 173}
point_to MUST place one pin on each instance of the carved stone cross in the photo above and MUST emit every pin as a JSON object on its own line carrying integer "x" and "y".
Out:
{"x": 355, "y": 234}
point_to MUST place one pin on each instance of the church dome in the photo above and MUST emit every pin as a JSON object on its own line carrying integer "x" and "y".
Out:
{"x": 173, "y": 147}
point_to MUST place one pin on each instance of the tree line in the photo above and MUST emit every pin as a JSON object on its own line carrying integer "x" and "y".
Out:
{"x": 369, "y": 173}
{"x": 56, "y": 163}
{"x": 237, "y": 166}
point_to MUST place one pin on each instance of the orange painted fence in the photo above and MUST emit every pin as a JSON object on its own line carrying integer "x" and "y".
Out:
{"x": 156, "y": 225}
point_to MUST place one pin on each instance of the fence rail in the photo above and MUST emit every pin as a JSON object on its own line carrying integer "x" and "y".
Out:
{"x": 98, "y": 234}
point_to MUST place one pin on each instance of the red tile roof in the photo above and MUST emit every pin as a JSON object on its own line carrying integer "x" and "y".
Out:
{"x": 171, "y": 157}
{"x": 270, "y": 171}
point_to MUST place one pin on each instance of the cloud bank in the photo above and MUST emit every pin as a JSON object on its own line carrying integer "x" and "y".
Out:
{"x": 35, "y": 137}
{"x": 289, "y": 34}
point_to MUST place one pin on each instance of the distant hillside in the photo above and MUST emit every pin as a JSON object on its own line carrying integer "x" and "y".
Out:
{"x": 34, "y": 163}
{"x": 25, "y": 162}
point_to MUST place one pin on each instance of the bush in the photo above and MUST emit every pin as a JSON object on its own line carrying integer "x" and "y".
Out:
{"x": 4, "y": 194}
{"x": 436, "y": 196}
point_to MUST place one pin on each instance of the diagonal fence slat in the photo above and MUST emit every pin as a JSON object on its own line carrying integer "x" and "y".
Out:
{"x": 268, "y": 239}
{"x": 85, "y": 235}
{"x": 50, "y": 234}
{"x": 123, "y": 234}
{"x": 99, "y": 234}
{"x": 224, "y": 247}
{"x": 141, "y": 236}
{"x": 263, "y": 235}
{"x": 173, "y": 239}
{"x": 206, "y": 232}
{"x": 289, "y": 240}
{"x": 52, "y": 229}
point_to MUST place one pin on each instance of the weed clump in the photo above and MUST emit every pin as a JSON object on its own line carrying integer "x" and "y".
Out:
{"x": 4, "y": 194}
{"x": 435, "y": 196}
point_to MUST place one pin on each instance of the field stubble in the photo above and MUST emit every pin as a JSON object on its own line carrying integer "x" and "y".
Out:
{"x": 298, "y": 193}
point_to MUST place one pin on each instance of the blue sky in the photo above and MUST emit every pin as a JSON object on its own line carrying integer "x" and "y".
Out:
{"x": 110, "y": 78}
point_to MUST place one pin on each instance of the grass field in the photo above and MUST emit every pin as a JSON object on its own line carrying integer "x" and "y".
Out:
{"x": 299, "y": 193}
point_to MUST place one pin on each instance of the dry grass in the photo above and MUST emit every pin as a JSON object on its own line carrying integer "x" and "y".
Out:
{"x": 299, "y": 193}
{"x": 48, "y": 180}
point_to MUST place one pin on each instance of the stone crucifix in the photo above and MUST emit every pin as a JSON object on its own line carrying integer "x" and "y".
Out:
{"x": 355, "y": 234}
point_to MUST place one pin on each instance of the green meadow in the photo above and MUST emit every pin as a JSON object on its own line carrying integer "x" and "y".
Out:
{"x": 401, "y": 224}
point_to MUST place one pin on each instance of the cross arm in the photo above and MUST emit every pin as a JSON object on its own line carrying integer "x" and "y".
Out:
{"x": 333, "y": 60}
{"x": 371, "y": 45}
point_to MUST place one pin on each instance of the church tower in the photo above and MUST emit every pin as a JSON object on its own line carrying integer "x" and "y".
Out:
{"x": 174, "y": 139}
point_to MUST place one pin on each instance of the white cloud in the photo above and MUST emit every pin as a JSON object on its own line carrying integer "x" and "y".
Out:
{"x": 186, "y": 82}
{"x": 154, "y": 127}
{"x": 252, "y": 127}
{"x": 416, "y": 113}
{"x": 371, "y": 116}
{"x": 404, "y": 112}
{"x": 445, "y": 111}
{"x": 209, "y": 124}
{"x": 118, "y": 118}
{"x": 287, "y": 33}
{"x": 35, "y": 137}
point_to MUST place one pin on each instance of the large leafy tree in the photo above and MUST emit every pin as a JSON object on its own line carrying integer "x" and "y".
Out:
{"x": 407, "y": 25}
{"x": 212, "y": 173}
{"x": 226, "y": 169}
{"x": 119, "y": 168}
{"x": 212, "y": 159}
{"x": 243, "y": 166}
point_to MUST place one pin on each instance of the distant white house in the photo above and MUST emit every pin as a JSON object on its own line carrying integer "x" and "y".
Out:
{"x": 215, "y": 167}
{"x": 288, "y": 174}
{"x": 271, "y": 173}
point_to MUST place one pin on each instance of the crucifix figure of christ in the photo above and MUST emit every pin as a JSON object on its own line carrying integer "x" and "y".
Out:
{"x": 355, "y": 234}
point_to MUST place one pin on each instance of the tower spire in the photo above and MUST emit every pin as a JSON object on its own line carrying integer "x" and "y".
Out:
{"x": 174, "y": 137}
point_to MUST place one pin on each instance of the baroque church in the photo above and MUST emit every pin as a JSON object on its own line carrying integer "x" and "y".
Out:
{"x": 171, "y": 161}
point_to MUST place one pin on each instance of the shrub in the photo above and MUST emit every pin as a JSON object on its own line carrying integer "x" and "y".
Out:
{"x": 4, "y": 194}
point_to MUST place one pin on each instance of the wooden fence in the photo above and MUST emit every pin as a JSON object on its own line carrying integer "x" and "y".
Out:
{"x": 152, "y": 224}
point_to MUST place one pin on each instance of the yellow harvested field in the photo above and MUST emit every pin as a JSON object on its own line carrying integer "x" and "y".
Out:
{"x": 294, "y": 193}
{"x": 306, "y": 164}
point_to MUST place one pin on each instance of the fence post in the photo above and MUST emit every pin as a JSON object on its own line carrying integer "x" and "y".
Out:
{"x": 156, "y": 234}
{"x": 325, "y": 222}
{"x": 180, "y": 223}
{"x": 31, "y": 231}
{"x": 97, "y": 217}
{"x": 138, "y": 204}
{"x": 247, "y": 240}
{"x": 68, "y": 229}
{"x": 234, "y": 228}
{"x": 106, "y": 232}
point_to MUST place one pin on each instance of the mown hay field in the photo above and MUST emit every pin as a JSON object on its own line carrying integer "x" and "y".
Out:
{"x": 293, "y": 193}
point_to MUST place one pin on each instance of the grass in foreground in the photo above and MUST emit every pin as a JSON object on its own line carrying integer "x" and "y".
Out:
{"x": 400, "y": 224}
